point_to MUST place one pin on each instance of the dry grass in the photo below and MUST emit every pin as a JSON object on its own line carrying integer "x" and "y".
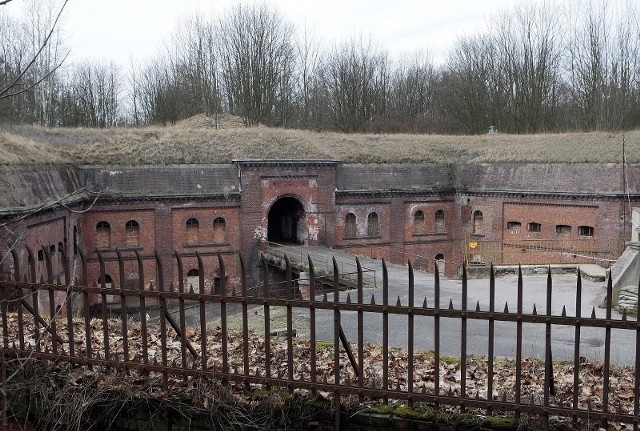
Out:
{"x": 196, "y": 141}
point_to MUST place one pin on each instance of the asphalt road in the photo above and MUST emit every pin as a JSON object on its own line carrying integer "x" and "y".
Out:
{"x": 563, "y": 294}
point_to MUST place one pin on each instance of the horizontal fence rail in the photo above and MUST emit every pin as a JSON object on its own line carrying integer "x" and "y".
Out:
{"x": 169, "y": 330}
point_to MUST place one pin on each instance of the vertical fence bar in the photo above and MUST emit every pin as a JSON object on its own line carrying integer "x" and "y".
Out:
{"x": 576, "y": 351}
{"x": 182, "y": 320}
{"x": 436, "y": 334}
{"x": 16, "y": 279}
{"x": 35, "y": 301}
{"x": 69, "y": 302}
{"x": 360, "y": 317}
{"x": 607, "y": 347}
{"x": 410, "y": 333}
{"x": 163, "y": 320}
{"x": 490, "y": 348}
{"x": 245, "y": 320}
{"x": 312, "y": 321}
{"x": 385, "y": 330}
{"x": 202, "y": 307}
{"x": 636, "y": 382}
{"x": 85, "y": 308}
{"x": 548, "y": 358}
{"x": 123, "y": 307}
{"x": 463, "y": 339}
{"x": 289, "y": 288}
{"x": 267, "y": 318}
{"x": 52, "y": 300}
{"x": 103, "y": 305}
{"x": 336, "y": 343}
{"x": 223, "y": 317}
{"x": 143, "y": 309}
{"x": 519, "y": 344}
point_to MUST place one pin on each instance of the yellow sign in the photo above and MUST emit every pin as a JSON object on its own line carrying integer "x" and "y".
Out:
{"x": 473, "y": 244}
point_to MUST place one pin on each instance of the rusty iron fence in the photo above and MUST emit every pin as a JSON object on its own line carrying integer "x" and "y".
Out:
{"x": 64, "y": 332}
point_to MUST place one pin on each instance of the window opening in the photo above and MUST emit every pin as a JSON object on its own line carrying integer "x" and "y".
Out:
{"x": 514, "y": 226}
{"x": 477, "y": 222}
{"x": 219, "y": 230}
{"x": 563, "y": 229}
{"x": 350, "y": 226}
{"x": 585, "y": 230}
{"x": 440, "y": 227}
{"x": 372, "y": 224}
{"x": 419, "y": 226}
{"x": 193, "y": 229}
{"x": 103, "y": 235}
{"x": 132, "y": 230}
{"x": 534, "y": 227}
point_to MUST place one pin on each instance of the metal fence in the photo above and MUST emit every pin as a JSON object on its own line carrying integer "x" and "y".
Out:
{"x": 67, "y": 332}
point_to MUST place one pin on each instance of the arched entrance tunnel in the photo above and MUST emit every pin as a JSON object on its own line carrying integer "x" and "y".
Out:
{"x": 286, "y": 221}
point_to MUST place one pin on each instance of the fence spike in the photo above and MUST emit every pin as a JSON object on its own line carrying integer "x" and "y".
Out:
{"x": 280, "y": 373}
{"x": 398, "y": 303}
{"x": 324, "y": 297}
{"x": 398, "y": 385}
{"x": 348, "y": 298}
{"x": 593, "y": 312}
{"x": 564, "y": 311}
{"x": 173, "y": 363}
{"x": 424, "y": 389}
{"x": 477, "y": 395}
{"x": 194, "y": 365}
{"x": 506, "y": 307}
{"x": 450, "y": 392}
{"x": 478, "y": 305}
{"x": 155, "y": 361}
{"x": 191, "y": 288}
{"x": 424, "y": 303}
{"x": 504, "y": 397}
{"x": 373, "y": 299}
{"x": 534, "y": 312}
{"x": 324, "y": 379}
{"x": 624, "y": 314}
{"x": 258, "y": 372}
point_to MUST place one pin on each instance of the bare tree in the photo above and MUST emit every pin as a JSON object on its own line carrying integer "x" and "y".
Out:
{"x": 90, "y": 96}
{"x": 357, "y": 78}
{"x": 411, "y": 95}
{"x": 31, "y": 67}
{"x": 309, "y": 87}
{"x": 603, "y": 63}
{"x": 256, "y": 51}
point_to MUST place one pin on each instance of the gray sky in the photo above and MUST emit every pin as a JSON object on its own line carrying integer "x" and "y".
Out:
{"x": 123, "y": 29}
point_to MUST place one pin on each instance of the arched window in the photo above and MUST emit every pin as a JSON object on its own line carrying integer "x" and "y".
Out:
{"x": 103, "y": 235}
{"x": 350, "y": 226}
{"x": 372, "y": 225}
{"x": 132, "y": 231}
{"x": 193, "y": 229}
{"x": 534, "y": 227}
{"x": 585, "y": 230}
{"x": 514, "y": 227}
{"x": 219, "y": 230}
{"x": 477, "y": 222}
{"x": 440, "y": 227}
{"x": 419, "y": 226}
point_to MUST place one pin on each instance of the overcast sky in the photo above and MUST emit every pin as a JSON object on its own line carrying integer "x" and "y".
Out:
{"x": 122, "y": 29}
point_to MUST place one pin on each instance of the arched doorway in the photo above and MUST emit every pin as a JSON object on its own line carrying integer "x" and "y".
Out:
{"x": 286, "y": 221}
